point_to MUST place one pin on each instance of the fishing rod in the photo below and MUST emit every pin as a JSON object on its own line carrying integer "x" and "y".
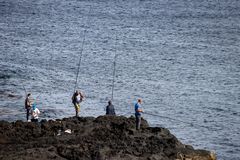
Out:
{"x": 81, "y": 51}
{"x": 166, "y": 117}
{"x": 173, "y": 119}
{"x": 114, "y": 67}
{"x": 24, "y": 90}
{"x": 38, "y": 96}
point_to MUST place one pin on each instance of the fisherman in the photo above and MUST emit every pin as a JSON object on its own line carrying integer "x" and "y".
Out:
{"x": 77, "y": 98}
{"x": 110, "y": 109}
{"x": 28, "y": 105}
{"x": 35, "y": 113}
{"x": 138, "y": 112}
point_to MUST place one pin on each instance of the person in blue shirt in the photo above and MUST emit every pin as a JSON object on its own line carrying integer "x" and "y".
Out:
{"x": 138, "y": 111}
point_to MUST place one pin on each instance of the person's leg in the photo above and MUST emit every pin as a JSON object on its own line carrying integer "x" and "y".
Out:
{"x": 77, "y": 108}
{"x": 27, "y": 114}
{"x": 76, "y": 111}
{"x": 136, "y": 122}
{"x": 139, "y": 121}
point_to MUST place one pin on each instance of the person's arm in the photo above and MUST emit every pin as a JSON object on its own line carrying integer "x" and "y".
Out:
{"x": 25, "y": 103}
{"x": 140, "y": 110}
{"x": 81, "y": 97}
{"x": 38, "y": 112}
{"x": 29, "y": 103}
{"x": 73, "y": 98}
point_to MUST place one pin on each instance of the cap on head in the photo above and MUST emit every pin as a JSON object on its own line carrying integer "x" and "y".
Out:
{"x": 34, "y": 106}
{"x": 76, "y": 92}
{"x": 29, "y": 94}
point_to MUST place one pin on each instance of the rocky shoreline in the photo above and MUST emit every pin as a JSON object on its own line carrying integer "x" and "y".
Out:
{"x": 101, "y": 138}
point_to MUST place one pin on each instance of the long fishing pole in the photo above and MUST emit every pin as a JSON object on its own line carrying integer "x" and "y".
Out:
{"x": 24, "y": 90}
{"x": 114, "y": 67}
{"x": 173, "y": 119}
{"x": 81, "y": 51}
{"x": 178, "y": 120}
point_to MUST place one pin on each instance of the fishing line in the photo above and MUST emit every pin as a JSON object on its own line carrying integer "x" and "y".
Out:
{"x": 24, "y": 90}
{"x": 194, "y": 125}
{"x": 114, "y": 67}
{"x": 173, "y": 119}
{"x": 81, "y": 51}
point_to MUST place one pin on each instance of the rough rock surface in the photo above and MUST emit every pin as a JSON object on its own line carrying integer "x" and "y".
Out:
{"x": 105, "y": 137}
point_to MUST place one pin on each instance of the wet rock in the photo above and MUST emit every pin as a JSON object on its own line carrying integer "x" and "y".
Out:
{"x": 104, "y": 137}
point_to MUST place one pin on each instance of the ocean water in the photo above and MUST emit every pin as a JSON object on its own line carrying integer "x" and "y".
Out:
{"x": 181, "y": 57}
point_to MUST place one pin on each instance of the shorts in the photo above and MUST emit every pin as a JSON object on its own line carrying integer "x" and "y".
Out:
{"x": 77, "y": 107}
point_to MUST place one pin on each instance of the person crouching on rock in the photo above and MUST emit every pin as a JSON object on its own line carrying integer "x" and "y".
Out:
{"x": 28, "y": 104}
{"x": 110, "y": 109}
{"x": 77, "y": 98}
{"x": 35, "y": 113}
{"x": 138, "y": 112}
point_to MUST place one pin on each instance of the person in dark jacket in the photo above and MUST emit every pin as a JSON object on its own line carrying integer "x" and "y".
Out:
{"x": 28, "y": 105}
{"x": 110, "y": 109}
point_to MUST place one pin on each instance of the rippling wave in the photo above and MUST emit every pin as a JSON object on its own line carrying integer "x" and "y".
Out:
{"x": 181, "y": 57}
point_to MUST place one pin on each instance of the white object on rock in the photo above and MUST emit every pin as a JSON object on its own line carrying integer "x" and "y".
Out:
{"x": 68, "y": 131}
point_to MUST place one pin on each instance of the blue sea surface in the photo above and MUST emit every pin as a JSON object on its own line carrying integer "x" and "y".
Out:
{"x": 181, "y": 57}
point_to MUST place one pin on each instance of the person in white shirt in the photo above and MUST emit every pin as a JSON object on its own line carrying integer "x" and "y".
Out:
{"x": 77, "y": 98}
{"x": 35, "y": 113}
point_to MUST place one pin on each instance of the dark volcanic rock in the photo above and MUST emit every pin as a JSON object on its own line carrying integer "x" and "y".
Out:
{"x": 105, "y": 137}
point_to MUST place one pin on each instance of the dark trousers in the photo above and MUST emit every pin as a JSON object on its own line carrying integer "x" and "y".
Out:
{"x": 138, "y": 121}
{"x": 28, "y": 110}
